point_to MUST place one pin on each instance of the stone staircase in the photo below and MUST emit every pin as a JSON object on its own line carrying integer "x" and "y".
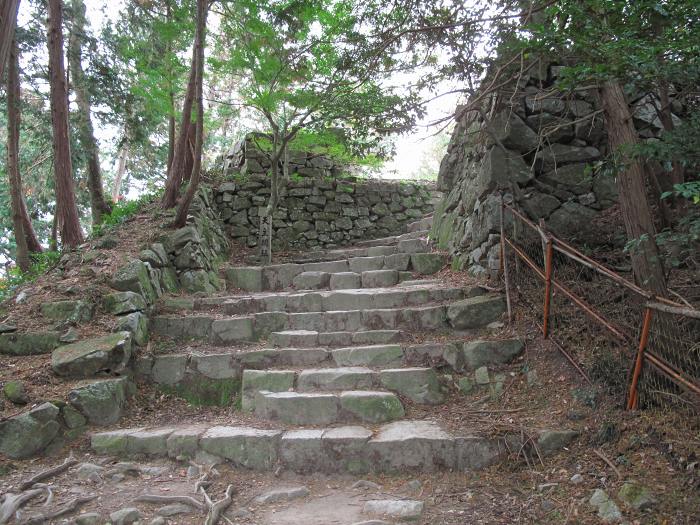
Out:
{"x": 328, "y": 356}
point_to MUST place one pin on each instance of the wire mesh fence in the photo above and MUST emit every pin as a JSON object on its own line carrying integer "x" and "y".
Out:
{"x": 642, "y": 348}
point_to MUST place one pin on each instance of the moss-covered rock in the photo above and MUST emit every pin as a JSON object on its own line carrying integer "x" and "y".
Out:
{"x": 198, "y": 390}
{"x": 16, "y": 392}
{"x": 28, "y": 434}
{"x": 75, "y": 311}
{"x": 109, "y": 353}
{"x": 119, "y": 303}
{"x": 30, "y": 343}
{"x": 101, "y": 402}
{"x": 371, "y": 407}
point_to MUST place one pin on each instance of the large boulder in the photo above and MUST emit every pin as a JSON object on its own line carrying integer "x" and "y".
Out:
{"x": 572, "y": 177}
{"x": 109, "y": 353}
{"x": 119, "y": 303}
{"x": 501, "y": 168}
{"x": 101, "y": 402}
{"x": 555, "y": 155}
{"x": 480, "y": 353}
{"x": 571, "y": 219}
{"x": 476, "y": 312}
{"x": 512, "y": 132}
{"x": 27, "y": 434}
{"x": 136, "y": 323}
{"x": 134, "y": 277}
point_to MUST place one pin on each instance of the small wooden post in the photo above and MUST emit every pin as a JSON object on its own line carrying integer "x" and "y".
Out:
{"x": 633, "y": 397}
{"x": 547, "y": 286}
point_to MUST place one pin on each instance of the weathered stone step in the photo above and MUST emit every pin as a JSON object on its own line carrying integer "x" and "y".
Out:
{"x": 394, "y": 239}
{"x": 423, "y": 224}
{"x": 313, "y": 408}
{"x": 395, "y": 448}
{"x": 420, "y": 385}
{"x": 464, "y": 314}
{"x": 312, "y": 338}
{"x": 408, "y": 246}
{"x": 324, "y": 301}
{"x": 216, "y": 378}
{"x": 290, "y": 275}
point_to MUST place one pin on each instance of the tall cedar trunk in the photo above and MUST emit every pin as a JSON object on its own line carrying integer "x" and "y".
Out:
{"x": 13, "y": 118}
{"x": 198, "y": 65}
{"x": 636, "y": 212}
{"x": 8, "y": 21}
{"x": 98, "y": 204}
{"x": 121, "y": 169}
{"x": 66, "y": 208}
{"x": 177, "y": 166}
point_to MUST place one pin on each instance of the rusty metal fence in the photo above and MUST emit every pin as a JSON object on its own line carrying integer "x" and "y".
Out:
{"x": 643, "y": 348}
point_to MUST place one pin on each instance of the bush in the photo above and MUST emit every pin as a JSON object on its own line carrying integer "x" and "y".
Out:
{"x": 41, "y": 263}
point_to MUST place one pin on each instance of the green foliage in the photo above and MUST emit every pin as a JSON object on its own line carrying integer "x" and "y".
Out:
{"x": 122, "y": 211}
{"x": 41, "y": 263}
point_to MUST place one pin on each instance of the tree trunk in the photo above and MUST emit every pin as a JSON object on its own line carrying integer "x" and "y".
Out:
{"x": 8, "y": 21}
{"x": 121, "y": 169}
{"x": 177, "y": 166}
{"x": 636, "y": 212}
{"x": 32, "y": 241}
{"x": 171, "y": 132}
{"x": 189, "y": 155}
{"x": 183, "y": 209}
{"x": 13, "y": 118}
{"x": 98, "y": 204}
{"x": 66, "y": 208}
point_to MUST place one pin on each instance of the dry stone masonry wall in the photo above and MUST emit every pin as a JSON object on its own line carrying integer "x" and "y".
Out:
{"x": 322, "y": 212}
{"x": 539, "y": 145}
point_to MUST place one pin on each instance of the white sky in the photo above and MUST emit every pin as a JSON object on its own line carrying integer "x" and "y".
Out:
{"x": 410, "y": 147}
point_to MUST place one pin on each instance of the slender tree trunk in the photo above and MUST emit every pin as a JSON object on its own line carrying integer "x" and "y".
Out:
{"x": 8, "y": 21}
{"x": 177, "y": 166}
{"x": 98, "y": 204}
{"x": 121, "y": 169}
{"x": 66, "y": 208}
{"x": 32, "y": 241}
{"x": 171, "y": 132}
{"x": 183, "y": 209}
{"x": 636, "y": 212}
{"x": 13, "y": 119}
{"x": 189, "y": 155}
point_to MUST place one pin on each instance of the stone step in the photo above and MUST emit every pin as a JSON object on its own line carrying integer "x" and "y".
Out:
{"x": 423, "y": 224}
{"x": 312, "y": 338}
{"x": 399, "y": 447}
{"x": 314, "y": 408}
{"x": 416, "y": 257}
{"x": 417, "y": 293}
{"x": 259, "y": 326}
{"x": 420, "y": 385}
{"x": 394, "y": 239}
{"x": 215, "y": 379}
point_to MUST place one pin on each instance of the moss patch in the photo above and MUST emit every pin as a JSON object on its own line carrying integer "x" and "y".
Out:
{"x": 204, "y": 391}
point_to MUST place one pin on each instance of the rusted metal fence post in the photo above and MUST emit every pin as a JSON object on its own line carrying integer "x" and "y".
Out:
{"x": 548, "y": 251}
{"x": 504, "y": 261}
{"x": 633, "y": 397}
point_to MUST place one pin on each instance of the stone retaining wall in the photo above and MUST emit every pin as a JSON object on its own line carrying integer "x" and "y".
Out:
{"x": 323, "y": 212}
{"x": 541, "y": 147}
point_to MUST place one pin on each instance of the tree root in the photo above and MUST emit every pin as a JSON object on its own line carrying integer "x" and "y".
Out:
{"x": 186, "y": 500}
{"x": 66, "y": 509}
{"x": 12, "y": 503}
{"x": 216, "y": 510}
{"x": 48, "y": 473}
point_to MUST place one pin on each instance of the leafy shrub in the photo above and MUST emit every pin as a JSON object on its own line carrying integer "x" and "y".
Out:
{"x": 41, "y": 263}
{"x": 122, "y": 211}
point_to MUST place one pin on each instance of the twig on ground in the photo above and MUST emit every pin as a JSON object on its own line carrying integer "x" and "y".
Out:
{"x": 62, "y": 511}
{"x": 48, "y": 473}
{"x": 602, "y": 456}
